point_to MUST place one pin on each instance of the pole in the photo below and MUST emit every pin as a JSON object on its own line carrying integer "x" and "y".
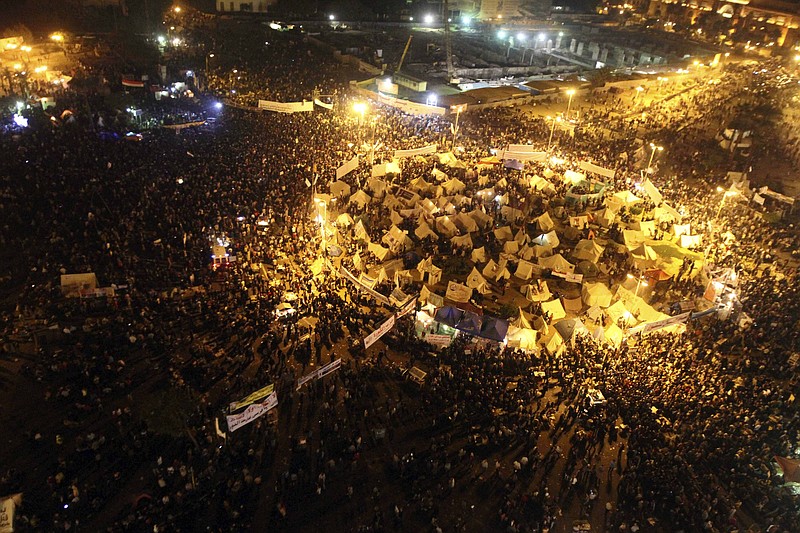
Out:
{"x": 552, "y": 130}
{"x": 455, "y": 128}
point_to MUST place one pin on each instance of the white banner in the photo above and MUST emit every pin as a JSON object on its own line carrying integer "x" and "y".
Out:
{"x": 252, "y": 412}
{"x": 665, "y": 323}
{"x": 322, "y": 104}
{"x": 378, "y": 296}
{"x": 524, "y": 148}
{"x": 438, "y": 340}
{"x": 430, "y": 149}
{"x": 573, "y": 278}
{"x": 589, "y": 167}
{"x": 285, "y": 107}
{"x": 321, "y": 372}
{"x": 407, "y": 307}
{"x": 652, "y": 192}
{"x": 370, "y": 339}
{"x": 522, "y": 156}
{"x": 347, "y": 167}
{"x": 412, "y": 108}
{"x": 458, "y": 292}
{"x": 8, "y": 507}
{"x": 757, "y": 198}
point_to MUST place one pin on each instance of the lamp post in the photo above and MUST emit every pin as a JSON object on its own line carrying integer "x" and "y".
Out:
{"x": 640, "y": 282}
{"x": 322, "y": 219}
{"x": 458, "y": 109}
{"x": 552, "y": 130}
{"x": 654, "y": 148}
{"x": 727, "y": 194}
{"x": 570, "y": 93}
{"x": 360, "y": 109}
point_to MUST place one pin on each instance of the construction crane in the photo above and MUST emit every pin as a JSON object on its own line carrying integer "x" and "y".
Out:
{"x": 448, "y": 45}
{"x": 405, "y": 51}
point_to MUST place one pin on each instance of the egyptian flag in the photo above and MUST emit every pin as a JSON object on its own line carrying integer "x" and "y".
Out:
{"x": 130, "y": 82}
{"x": 790, "y": 467}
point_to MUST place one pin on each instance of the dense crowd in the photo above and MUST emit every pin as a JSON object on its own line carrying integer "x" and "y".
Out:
{"x": 693, "y": 419}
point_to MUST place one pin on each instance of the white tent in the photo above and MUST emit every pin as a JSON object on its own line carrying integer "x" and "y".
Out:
{"x": 633, "y": 238}
{"x": 511, "y": 247}
{"x": 545, "y": 223}
{"x": 548, "y": 239}
{"x": 572, "y": 177}
{"x": 453, "y": 186}
{"x": 344, "y": 220}
{"x": 596, "y": 294}
{"x": 555, "y": 346}
{"x": 360, "y": 198}
{"x": 524, "y": 270}
{"x": 397, "y": 240}
{"x": 511, "y": 214}
{"x": 439, "y": 175}
{"x": 465, "y": 222}
{"x": 588, "y": 250}
{"x": 395, "y": 217}
{"x": 557, "y": 263}
{"x": 462, "y": 241}
{"x": 377, "y": 186}
{"x": 626, "y": 198}
{"x": 482, "y": 219}
{"x": 554, "y": 309}
{"x": 378, "y": 251}
{"x": 644, "y": 252}
{"x": 478, "y": 282}
{"x": 618, "y": 312}
{"x": 340, "y": 189}
{"x": 522, "y": 338}
{"x": 424, "y": 231}
{"x": 450, "y": 160}
{"x": 419, "y": 184}
{"x": 445, "y": 226}
{"x": 478, "y": 255}
{"x": 523, "y": 321}
{"x": 538, "y": 291}
{"x": 541, "y": 251}
{"x": 504, "y": 233}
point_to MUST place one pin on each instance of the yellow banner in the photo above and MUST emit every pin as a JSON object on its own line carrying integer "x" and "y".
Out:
{"x": 252, "y": 398}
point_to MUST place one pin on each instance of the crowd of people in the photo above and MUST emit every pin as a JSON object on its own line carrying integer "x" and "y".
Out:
{"x": 684, "y": 440}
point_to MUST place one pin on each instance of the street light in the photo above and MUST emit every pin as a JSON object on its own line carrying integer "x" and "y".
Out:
{"x": 728, "y": 193}
{"x": 552, "y": 130}
{"x": 322, "y": 219}
{"x": 57, "y": 37}
{"x": 458, "y": 109}
{"x": 654, "y": 148}
{"x": 570, "y": 93}
{"x": 639, "y": 283}
{"x": 177, "y": 9}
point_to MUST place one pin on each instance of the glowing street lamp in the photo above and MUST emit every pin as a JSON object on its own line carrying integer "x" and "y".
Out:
{"x": 428, "y": 19}
{"x": 57, "y": 37}
{"x": 654, "y": 148}
{"x": 639, "y": 283}
{"x": 177, "y": 9}
{"x": 570, "y": 93}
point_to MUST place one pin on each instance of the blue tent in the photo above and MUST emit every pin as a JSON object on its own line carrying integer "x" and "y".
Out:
{"x": 448, "y": 316}
{"x": 470, "y": 323}
{"x": 569, "y": 327}
{"x": 494, "y": 328}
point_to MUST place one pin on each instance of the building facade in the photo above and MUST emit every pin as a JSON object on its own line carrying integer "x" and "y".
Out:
{"x": 243, "y": 6}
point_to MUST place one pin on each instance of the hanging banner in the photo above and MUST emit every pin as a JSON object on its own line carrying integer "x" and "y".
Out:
{"x": 522, "y": 156}
{"x": 411, "y": 108}
{"x": 407, "y": 307}
{"x": 572, "y": 278}
{"x": 589, "y": 167}
{"x": 322, "y": 104}
{"x": 430, "y": 149}
{"x": 330, "y": 368}
{"x": 343, "y": 272}
{"x": 184, "y": 125}
{"x": 522, "y": 148}
{"x": 253, "y": 397}
{"x": 384, "y": 328}
{"x": 253, "y": 411}
{"x": 346, "y": 168}
{"x": 458, "y": 292}
{"x": 665, "y": 323}
{"x": 285, "y": 107}
{"x": 442, "y": 341}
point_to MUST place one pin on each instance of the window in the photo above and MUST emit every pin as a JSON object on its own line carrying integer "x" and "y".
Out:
{"x": 222, "y": 6}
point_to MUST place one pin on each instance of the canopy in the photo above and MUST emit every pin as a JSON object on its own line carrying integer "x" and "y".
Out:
{"x": 570, "y": 327}
{"x": 340, "y": 188}
{"x": 419, "y": 184}
{"x": 494, "y": 328}
{"x": 545, "y": 223}
{"x": 596, "y": 294}
{"x": 470, "y": 323}
{"x": 449, "y": 316}
{"x": 360, "y": 198}
{"x": 554, "y": 309}
{"x": 588, "y": 250}
{"x": 557, "y": 263}
{"x": 424, "y": 231}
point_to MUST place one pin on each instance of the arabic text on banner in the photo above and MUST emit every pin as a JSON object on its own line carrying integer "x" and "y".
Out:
{"x": 430, "y": 149}
{"x": 370, "y": 339}
{"x": 253, "y": 397}
{"x": 252, "y": 412}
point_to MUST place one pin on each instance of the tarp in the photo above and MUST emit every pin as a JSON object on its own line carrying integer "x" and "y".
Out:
{"x": 419, "y": 184}
{"x": 570, "y": 327}
{"x": 627, "y": 198}
{"x": 450, "y": 160}
{"x": 554, "y": 309}
{"x": 378, "y": 187}
{"x": 449, "y": 316}
{"x": 470, "y": 323}
{"x": 557, "y": 263}
{"x": 494, "y": 328}
{"x": 596, "y": 294}
{"x": 439, "y": 175}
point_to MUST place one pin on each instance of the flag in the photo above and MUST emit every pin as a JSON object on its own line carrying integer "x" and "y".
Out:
{"x": 790, "y": 467}
{"x": 130, "y": 82}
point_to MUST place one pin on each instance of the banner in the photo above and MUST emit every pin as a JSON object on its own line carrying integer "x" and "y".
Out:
{"x": 285, "y": 107}
{"x": 407, "y": 307}
{"x": 522, "y": 156}
{"x": 128, "y": 82}
{"x": 458, "y": 292}
{"x": 378, "y": 296}
{"x": 442, "y": 341}
{"x": 347, "y": 167}
{"x": 253, "y": 411}
{"x": 184, "y": 125}
{"x": 665, "y": 323}
{"x": 256, "y": 396}
{"x": 8, "y": 508}
{"x": 322, "y": 104}
{"x": 573, "y": 278}
{"x": 412, "y": 108}
{"x": 522, "y": 148}
{"x": 321, "y": 372}
{"x": 384, "y": 328}
{"x": 430, "y": 149}
{"x": 652, "y": 192}
{"x": 589, "y": 167}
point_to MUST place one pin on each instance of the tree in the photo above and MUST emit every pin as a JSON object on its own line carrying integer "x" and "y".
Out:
{"x": 601, "y": 76}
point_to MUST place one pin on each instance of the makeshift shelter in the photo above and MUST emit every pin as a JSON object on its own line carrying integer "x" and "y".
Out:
{"x": 522, "y": 338}
{"x": 617, "y": 312}
{"x": 344, "y": 220}
{"x": 482, "y": 219}
{"x": 511, "y": 247}
{"x": 377, "y": 186}
{"x": 511, "y": 214}
{"x": 424, "y": 231}
{"x": 449, "y": 316}
{"x": 555, "y": 346}
{"x": 477, "y": 282}
{"x": 588, "y": 250}
{"x": 572, "y": 305}
{"x": 571, "y": 177}
{"x": 427, "y": 206}
{"x": 596, "y": 294}
{"x": 557, "y": 263}
{"x": 397, "y": 240}
{"x": 453, "y": 186}
{"x": 622, "y": 199}
{"x": 494, "y": 328}
{"x": 569, "y": 328}
{"x": 419, "y": 184}
{"x": 470, "y": 323}
{"x": 547, "y": 239}
{"x": 504, "y": 233}
{"x": 439, "y": 175}
{"x": 545, "y": 223}
{"x": 612, "y": 335}
{"x": 554, "y": 310}
{"x": 360, "y": 198}
{"x": 378, "y": 251}
{"x": 340, "y": 189}
{"x": 478, "y": 255}
{"x": 465, "y": 223}
{"x": 445, "y": 226}
{"x": 588, "y": 269}
{"x": 536, "y": 292}
{"x": 450, "y": 160}
{"x": 523, "y": 321}
{"x": 524, "y": 270}
{"x": 463, "y": 241}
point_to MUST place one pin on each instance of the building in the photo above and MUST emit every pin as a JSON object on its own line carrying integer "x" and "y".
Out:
{"x": 756, "y": 23}
{"x": 243, "y": 6}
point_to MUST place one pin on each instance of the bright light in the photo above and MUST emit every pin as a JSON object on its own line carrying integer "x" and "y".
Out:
{"x": 20, "y": 121}
{"x": 176, "y": 41}
{"x": 360, "y": 108}
{"x": 17, "y": 66}
{"x": 40, "y": 69}
{"x": 210, "y": 55}
{"x": 502, "y": 34}
{"x": 218, "y": 105}
{"x": 57, "y": 37}
{"x": 466, "y": 21}
{"x": 161, "y": 39}
{"x": 428, "y": 19}
{"x": 411, "y": 19}
{"x": 331, "y": 17}
{"x": 521, "y": 36}
{"x": 20, "y": 105}
{"x": 26, "y": 48}
{"x": 640, "y": 88}
{"x": 12, "y": 46}
{"x": 542, "y": 37}
{"x": 570, "y": 92}
{"x": 177, "y": 9}
{"x": 432, "y": 99}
